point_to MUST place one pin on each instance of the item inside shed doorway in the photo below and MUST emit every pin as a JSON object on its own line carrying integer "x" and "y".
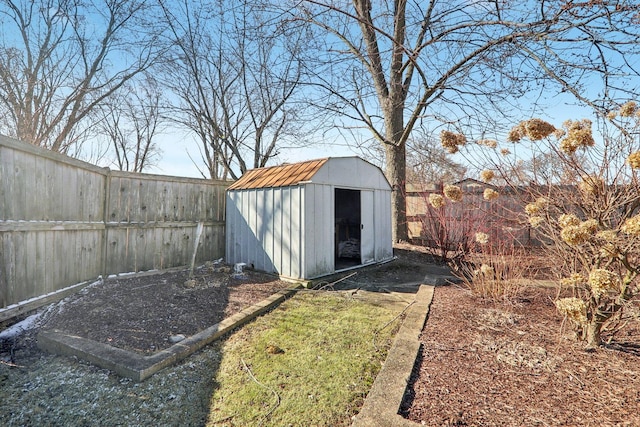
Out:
{"x": 348, "y": 231}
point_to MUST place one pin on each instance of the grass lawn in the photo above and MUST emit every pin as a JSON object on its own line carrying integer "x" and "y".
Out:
{"x": 310, "y": 362}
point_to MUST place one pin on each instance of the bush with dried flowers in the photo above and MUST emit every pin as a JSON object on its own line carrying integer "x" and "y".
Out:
{"x": 581, "y": 199}
{"x": 590, "y": 221}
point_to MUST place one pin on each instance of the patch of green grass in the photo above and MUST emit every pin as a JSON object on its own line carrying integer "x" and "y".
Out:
{"x": 332, "y": 348}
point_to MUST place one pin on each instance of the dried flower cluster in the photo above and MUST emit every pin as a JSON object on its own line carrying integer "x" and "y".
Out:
{"x": 532, "y": 208}
{"x": 601, "y": 281}
{"x": 535, "y": 221}
{"x": 534, "y": 129}
{"x": 486, "y": 270}
{"x": 574, "y": 235}
{"x": 538, "y": 206}
{"x": 436, "y": 200}
{"x": 578, "y": 234}
{"x": 574, "y": 308}
{"x": 566, "y": 220}
{"x": 628, "y": 109}
{"x": 631, "y": 226}
{"x": 576, "y": 279}
{"x": 505, "y": 151}
{"x": 482, "y": 238}
{"x": 515, "y": 134}
{"x": 490, "y": 194}
{"x": 634, "y": 160}
{"x": 487, "y": 175}
{"x": 453, "y": 193}
{"x": 591, "y": 185}
{"x": 491, "y": 143}
{"x": 451, "y": 140}
{"x": 578, "y": 134}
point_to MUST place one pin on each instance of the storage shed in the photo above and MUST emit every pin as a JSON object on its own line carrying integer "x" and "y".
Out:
{"x": 310, "y": 219}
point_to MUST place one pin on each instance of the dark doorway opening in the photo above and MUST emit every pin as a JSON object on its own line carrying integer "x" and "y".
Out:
{"x": 347, "y": 228}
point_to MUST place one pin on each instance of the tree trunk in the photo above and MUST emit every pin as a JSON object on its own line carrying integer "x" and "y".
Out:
{"x": 592, "y": 334}
{"x": 396, "y": 174}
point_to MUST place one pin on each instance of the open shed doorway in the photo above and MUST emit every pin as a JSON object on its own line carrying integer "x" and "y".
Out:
{"x": 348, "y": 228}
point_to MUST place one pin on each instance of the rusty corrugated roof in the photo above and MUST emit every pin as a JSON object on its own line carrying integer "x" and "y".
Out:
{"x": 278, "y": 176}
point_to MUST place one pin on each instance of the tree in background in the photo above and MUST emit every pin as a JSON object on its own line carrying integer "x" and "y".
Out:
{"x": 60, "y": 60}
{"x": 235, "y": 72}
{"x": 390, "y": 67}
{"x": 428, "y": 163}
{"x": 130, "y": 122}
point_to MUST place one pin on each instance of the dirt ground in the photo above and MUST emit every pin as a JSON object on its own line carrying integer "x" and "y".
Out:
{"x": 142, "y": 313}
{"x": 515, "y": 364}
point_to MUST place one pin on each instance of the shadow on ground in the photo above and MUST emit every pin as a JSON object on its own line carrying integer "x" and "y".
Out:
{"x": 404, "y": 273}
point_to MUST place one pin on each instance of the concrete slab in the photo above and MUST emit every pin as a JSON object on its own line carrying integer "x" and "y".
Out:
{"x": 380, "y": 408}
{"x": 138, "y": 367}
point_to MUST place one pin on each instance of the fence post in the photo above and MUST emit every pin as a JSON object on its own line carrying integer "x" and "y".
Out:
{"x": 195, "y": 247}
{"x": 105, "y": 217}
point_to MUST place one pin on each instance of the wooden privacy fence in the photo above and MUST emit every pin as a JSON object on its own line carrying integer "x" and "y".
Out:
{"x": 64, "y": 222}
{"x": 501, "y": 219}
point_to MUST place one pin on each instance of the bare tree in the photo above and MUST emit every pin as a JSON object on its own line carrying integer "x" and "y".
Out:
{"x": 235, "y": 73}
{"x": 59, "y": 59}
{"x": 130, "y": 121}
{"x": 428, "y": 163}
{"x": 391, "y": 66}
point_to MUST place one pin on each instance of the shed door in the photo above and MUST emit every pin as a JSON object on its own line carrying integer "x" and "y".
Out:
{"x": 367, "y": 235}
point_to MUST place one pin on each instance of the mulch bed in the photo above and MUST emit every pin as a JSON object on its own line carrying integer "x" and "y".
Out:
{"x": 516, "y": 364}
{"x": 140, "y": 313}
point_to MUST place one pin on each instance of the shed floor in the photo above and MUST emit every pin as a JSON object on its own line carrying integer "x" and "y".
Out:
{"x": 342, "y": 263}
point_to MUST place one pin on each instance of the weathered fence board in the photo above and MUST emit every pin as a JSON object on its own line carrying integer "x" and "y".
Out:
{"x": 457, "y": 222}
{"x": 64, "y": 222}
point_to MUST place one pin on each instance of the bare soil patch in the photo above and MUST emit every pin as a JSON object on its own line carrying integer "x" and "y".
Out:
{"x": 488, "y": 364}
{"x": 141, "y": 313}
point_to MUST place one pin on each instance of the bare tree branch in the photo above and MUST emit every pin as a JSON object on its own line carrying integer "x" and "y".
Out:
{"x": 416, "y": 58}
{"x": 236, "y": 74}
{"x": 61, "y": 59}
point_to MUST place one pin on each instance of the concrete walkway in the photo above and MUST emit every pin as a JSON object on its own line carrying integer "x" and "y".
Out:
{"x": 385, "y": 397}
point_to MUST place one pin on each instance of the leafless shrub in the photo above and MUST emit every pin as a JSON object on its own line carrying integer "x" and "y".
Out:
{"x": 585, "y": 211}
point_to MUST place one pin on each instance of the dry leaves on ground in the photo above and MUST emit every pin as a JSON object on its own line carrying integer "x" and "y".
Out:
{"x": 492, "y": 364}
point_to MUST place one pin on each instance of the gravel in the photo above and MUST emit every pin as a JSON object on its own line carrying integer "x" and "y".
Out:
{"x": 38, "y": 389}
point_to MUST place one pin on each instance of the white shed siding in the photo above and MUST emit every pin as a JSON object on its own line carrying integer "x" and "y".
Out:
{"x": 382, "y": 215}
{"x": 350, "y": 172}
{"x": 264, "y": 227}
{"x": 367, "y": 225}
{"x": 318, "y": 238}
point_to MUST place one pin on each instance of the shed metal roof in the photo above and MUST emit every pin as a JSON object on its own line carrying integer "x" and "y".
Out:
{"x": 278, "y": 176}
